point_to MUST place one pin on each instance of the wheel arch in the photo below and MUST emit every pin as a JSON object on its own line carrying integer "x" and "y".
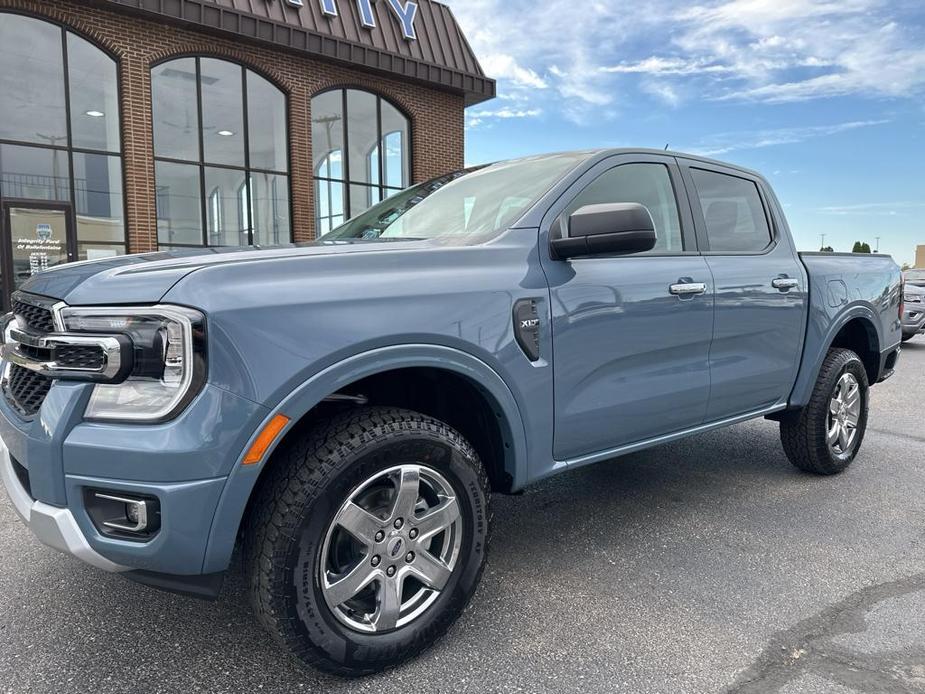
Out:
{"x": 855, "y": 329}
{"x": 502, "y": 445}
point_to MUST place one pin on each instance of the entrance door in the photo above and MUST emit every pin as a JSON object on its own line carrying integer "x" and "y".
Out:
{"x": 36, "y": 236}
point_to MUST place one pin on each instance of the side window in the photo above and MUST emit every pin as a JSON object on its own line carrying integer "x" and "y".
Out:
{"x": 732, "y": 211}
{"x": 646, "y": 184}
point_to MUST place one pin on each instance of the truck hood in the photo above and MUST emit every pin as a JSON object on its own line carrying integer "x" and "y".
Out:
{"x": 146, "y": 278}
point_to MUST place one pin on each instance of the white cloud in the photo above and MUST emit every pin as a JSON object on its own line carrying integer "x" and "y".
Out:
{"x": 757, "y": 139}
{"x": 589, "y": 60}
{"x": 504, "y": 67}
{"x": 476, "y": 118}
{"x": 663, "y": 91}
{"x": 889, "y": 209}
{"x": 655, "y": 65}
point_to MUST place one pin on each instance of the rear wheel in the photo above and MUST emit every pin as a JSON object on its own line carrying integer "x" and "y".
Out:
{"x": 825, "y": 436}
{"x": 369, "y": 539}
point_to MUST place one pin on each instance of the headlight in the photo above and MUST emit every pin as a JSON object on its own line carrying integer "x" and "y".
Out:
{"x": 168, "y": 359}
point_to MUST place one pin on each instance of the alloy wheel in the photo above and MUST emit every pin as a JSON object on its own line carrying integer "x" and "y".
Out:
{"x": 391, "y": 548}
{"x": 844, "y": 414}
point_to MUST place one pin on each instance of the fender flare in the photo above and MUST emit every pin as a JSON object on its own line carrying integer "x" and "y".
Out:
{"x": 242, "y": 479}
{"x": 806, "y": 378}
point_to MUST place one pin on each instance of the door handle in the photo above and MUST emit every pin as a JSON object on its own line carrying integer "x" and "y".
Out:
{"x": 688, "y": 288}
{"x": 785, "y": 283}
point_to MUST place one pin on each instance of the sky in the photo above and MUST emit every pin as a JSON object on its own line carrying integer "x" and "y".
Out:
{"x": 826, "y": 98}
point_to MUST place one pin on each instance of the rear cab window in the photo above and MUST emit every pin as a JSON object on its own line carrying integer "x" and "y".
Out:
{"x": 733, "y": 213}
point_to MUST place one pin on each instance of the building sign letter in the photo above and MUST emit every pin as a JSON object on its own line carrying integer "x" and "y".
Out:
{"x": 405, "y": 12}
{"x": 406, "y": 16}
{"x": 365, "y": 8}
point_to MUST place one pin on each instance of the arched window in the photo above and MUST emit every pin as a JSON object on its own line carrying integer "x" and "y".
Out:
{"x": 221, "y": 155}
{"x": 362, "y": 153}
{"x": 60, "y": 148}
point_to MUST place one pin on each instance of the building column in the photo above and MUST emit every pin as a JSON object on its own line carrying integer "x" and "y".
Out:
{"x": 300, "y": 164}
{"x": 138, "y": 153}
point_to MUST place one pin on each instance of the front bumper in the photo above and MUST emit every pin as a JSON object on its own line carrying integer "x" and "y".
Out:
{"x": 913, "y": 321}
{"x": 183, "y": 463}
{"x": 53, "y": 526}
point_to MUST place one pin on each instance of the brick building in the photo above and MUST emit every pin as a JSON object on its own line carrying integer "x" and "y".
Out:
{"x": 137, "y": 125}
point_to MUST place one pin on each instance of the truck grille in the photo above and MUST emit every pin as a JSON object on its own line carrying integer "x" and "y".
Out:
{"x": 80, "y": 357}
{"x": 26, "y": 390}
{"x": 38, "y": 318}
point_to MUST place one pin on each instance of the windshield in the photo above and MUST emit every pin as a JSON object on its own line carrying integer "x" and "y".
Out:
{"x": 466, "y": 206}
{"x": 917, "y": 276}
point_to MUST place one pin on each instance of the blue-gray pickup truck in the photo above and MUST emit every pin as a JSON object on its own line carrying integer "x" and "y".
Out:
{"x": 342, "y": 410}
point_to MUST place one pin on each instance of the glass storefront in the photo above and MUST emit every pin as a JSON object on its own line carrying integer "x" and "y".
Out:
{"x": 221, "y": 153}
{"x": 221, "y": 149}
{"x": 361, "y": 152}
{"x": 60, "y": 143}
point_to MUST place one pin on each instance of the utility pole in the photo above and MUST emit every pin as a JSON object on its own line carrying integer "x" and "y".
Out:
{"x": 878, "y": 244}
{"x": 822, "y": 245}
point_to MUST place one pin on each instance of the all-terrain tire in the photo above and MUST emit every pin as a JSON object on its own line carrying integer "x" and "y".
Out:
{"x": 310, "y": 477}
{"x": 804, "y": 433}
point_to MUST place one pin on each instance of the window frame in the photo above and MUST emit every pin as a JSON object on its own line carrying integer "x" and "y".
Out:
{"x": 384, "y": 190}
{"x": 700, "y": 224}
{"x": 73, "y": 241}
{"x": 202, "y": 164}
{"x": 689, "y": 240}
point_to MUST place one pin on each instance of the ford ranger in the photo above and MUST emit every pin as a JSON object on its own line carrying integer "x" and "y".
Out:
{"x": 341, "y": 410}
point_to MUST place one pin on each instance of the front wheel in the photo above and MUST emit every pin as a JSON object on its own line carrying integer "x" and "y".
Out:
{"x": 824, "y": 437}
{"x": 368, "y": 539}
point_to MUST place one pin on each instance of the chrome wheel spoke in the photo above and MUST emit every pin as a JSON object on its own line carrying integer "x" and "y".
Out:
{"x": 431, "y": 571}
{"x": 341, "y": 590}
{"x": 358, "y": 522}
{"x": 853, "y": 398}
{"x": 406, "y": 498}
{"x": 844, "y": 437}
{"x": 439, "y": 518}
{"x": 833, "y": 433}
{"x": 389, "y": 603}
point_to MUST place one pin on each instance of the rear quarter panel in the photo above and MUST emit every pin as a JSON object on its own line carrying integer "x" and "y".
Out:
{"x": 843, "y": 287}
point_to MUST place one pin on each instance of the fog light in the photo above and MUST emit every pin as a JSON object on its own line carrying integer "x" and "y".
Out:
{"x": 134, "y": 518}
{"x": 123, "y": 515}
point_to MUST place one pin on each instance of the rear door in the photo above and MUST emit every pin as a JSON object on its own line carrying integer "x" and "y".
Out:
{"x": 631, "y": 333}
{"x": 760, "y": 294}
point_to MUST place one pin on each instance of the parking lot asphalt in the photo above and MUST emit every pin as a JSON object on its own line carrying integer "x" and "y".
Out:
{"x": 709, "y": 565}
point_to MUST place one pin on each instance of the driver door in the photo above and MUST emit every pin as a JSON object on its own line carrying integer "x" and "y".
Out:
{"x": 631, "y": 354}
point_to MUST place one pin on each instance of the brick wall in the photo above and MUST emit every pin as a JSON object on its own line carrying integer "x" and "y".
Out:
{"x": 437, "y": 117}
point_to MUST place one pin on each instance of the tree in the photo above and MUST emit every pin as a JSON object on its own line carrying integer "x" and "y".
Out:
{"x": 906, "y": 266}
{"x": 826, "y": 249}
{"x": 861, "y": 247}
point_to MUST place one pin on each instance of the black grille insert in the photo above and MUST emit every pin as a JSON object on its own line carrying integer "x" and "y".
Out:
{"x": 36, "y": 317}
{"x": 79, "y": 357}
{"x": 27, "y": 389}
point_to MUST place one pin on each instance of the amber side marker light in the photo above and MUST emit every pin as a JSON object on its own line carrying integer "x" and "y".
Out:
{"x": 265, "y": 439}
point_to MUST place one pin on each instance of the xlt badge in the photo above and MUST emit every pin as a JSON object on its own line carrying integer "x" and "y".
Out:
{"x": 527, "y": 328}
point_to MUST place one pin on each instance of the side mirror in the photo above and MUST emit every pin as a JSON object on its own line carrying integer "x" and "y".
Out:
{"x": 609, "y": 229}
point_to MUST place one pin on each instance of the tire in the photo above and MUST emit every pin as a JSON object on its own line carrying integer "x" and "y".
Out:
{"x": 805, "y": 433}
{"x": 292, "y": 540}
